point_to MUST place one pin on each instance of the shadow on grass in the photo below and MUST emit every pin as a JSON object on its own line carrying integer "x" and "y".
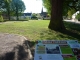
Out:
{"x": 74, "y": 27}
{"x": 72, "y": 32}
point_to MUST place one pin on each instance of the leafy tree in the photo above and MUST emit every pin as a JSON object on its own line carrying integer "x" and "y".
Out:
{"x": 58, "y": 9}
{"x": 78, "y": 16}
{"x": 47, "y": 4}
{"x": 34, "y": 15}
{"x": 39, "y": 16}
{"x": 17, "y": 7}
{"x": 7, "y": 7}
{"x": 78, "y": 5}
{"x": 71, "y": 12}
{"x": 1, "y": 18}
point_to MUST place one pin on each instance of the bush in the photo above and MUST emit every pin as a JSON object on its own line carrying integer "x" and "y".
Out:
{"x": 1, "y": 18}
{"x": 34, "y": 18}
{"x": 78, "y": 16}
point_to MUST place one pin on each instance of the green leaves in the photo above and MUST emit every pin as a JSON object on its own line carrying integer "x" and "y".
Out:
{"x": 17, "y": 4}
{"x": 47, "y": 5}
{"x": 67, "y": 5}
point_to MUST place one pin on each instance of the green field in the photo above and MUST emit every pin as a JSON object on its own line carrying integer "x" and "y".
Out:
{"x": 38, "y": 30}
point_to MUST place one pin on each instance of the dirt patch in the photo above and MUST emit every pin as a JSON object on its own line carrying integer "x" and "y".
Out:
{"x": 15, "y": 47}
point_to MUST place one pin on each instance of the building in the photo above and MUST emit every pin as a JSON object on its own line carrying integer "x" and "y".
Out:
{"x": 44, "y": 14}
{"x": 27, "y": 15}
{"x": 23, "y": 16}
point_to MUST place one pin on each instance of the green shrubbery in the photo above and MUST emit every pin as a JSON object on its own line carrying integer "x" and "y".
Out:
{"x": 78, "y": 16}
{"x": 1, "y": 18}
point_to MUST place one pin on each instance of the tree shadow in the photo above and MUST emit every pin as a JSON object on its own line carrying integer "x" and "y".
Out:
{"x": 71, "y": 33}
{"x": 75, "y": 27}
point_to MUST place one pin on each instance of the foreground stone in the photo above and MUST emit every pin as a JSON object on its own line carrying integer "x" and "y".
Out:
{"x": 14, "y": 47}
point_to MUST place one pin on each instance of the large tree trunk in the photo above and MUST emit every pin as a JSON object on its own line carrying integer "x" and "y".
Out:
{"x": 56, "y": 21}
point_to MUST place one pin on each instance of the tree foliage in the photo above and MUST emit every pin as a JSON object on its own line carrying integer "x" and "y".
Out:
{"x": 17, "y": 7}
{"x": 47, "y": 5}
{"x": 67, "y": 5}
{"x": 71, "y": 12}
{"x": 12, "y": 7}
{"x": 57, "y": 9}
{"x": 7, "y": 7}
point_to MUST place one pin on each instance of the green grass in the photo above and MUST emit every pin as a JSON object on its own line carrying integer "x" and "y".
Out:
{"x": 66, "y": 50}
{"x": 38, "y": 30}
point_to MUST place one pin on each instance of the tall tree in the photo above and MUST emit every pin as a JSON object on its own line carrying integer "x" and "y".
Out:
{"x": 56, "y": 21}
{"x": 17, "y": 7}
{"x": 7, "y": 7}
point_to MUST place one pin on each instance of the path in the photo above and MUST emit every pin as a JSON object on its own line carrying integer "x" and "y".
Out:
{"x": 77, "y": 22}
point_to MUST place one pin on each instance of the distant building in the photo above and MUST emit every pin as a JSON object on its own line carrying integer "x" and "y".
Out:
{"x": 26, "y": 15}
{"x": 22, "y": 16}
{"x": 44, "y": 14}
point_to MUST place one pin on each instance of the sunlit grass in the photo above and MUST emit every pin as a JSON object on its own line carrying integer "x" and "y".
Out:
{"x": 34, "y": 30}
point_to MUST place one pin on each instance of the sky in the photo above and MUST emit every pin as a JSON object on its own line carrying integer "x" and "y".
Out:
{"x": 34, "y": 6}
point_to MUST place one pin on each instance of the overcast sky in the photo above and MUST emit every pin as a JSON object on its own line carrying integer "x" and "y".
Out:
{"x": 34, "y": 6}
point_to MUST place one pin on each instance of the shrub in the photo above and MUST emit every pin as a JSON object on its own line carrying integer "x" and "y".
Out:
{"x": 78, "y": 16}
{"x": 1, "y": 18}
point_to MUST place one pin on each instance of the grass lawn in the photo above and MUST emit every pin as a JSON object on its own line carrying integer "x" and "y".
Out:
{"x": 38, "y": 30}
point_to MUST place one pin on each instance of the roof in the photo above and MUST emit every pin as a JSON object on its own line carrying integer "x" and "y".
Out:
{"x": 44, "y": 13}
{"x": 27, "y": 14}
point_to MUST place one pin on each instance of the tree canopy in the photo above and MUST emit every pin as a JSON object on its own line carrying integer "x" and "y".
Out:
{"x": 57, "y": 9}
{"x": 67, "y": 5}
{"x": 17, "y": 6}
{"x": 12, "y": 7}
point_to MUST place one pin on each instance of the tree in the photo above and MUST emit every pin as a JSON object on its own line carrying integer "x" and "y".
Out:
{"x": 34, "y": 15}
{"x": 7, "y": 7}
{"x": 56, "y": 21}
{"x": 47, "y": 4}
{"x": 17, "y": 7}
{"x": 70, "y": 13}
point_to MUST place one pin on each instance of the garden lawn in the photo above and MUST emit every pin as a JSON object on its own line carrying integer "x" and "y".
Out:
{"x": 38, "y": 30}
